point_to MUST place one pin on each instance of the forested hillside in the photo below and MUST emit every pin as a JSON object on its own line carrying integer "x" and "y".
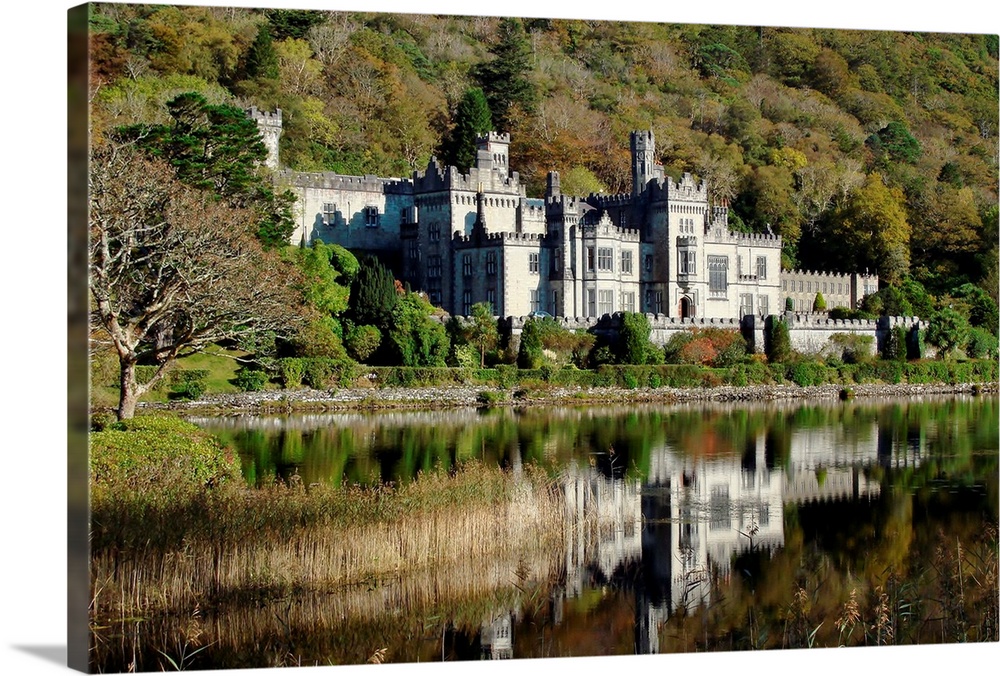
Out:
{"x": 863, "y": 149}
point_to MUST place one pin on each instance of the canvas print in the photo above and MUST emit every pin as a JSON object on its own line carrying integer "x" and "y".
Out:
{"x": 420, "y": 338}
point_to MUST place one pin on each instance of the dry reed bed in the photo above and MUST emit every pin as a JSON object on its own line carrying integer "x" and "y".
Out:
{"x": 251, "y": 543}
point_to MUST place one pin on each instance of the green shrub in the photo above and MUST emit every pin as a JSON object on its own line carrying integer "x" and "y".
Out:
{"x": 853, "y": 348}
{"x": 291, "y": 370}
{"x": 506, "y": 376}
{"x": 633, "y": 338}
{"x": 186, "y": 384}
{"x": 981, "y": 344}
{"x": 491, "y": 397}
{"x": 250, "y": 380}
{"x": 808, "y": 373}
{"x": 630, "y": 380}
{"x": 777, "y": 344}
{"x": 655, "y": 380}
{"x": 894, "y": 348}
{"x": 362, "y": 341}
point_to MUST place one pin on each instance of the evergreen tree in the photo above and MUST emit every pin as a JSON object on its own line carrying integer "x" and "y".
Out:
{"x": 777, "y": 344}
{"x": 472, "y": 118}
{"x": 819, "y": 305}
{"x": 633, "y": 340}
{"x": 373, "y": 295}
{"x": 262, "y": 60}
{"x": 529, "y": 351}
{"x": 218, "y": 148}
{"x": 504, "y": 78}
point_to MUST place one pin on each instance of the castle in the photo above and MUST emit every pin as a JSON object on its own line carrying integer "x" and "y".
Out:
{"x": 466, "y": 238}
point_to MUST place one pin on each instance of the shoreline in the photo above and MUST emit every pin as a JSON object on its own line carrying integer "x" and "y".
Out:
{"x": 465, "y": 396}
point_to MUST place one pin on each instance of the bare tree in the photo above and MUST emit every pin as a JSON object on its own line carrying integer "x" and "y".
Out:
{"x": 173, "y": 270}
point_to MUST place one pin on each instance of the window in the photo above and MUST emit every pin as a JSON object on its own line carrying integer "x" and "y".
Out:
{"x": 762, "y": 308}
{"x": 605, "y": 302}
{"x": 414, "y": 251}
{"x": 800, "y": 286}
{"x": 648, "y": 263}
{"x": 371, "y": 216}
{"x": 746, "y": 304}
{"x": 761, "y": 267}
{"x": 824, "y": 287}
{"x": 554, "y": 261}
{"x": 687, "y": 260}
{"x": 491, "y": 263}
{"x": 626, "y": 262}
{"x": 491, "y": 298}
{"x": 718, "y": 269}
{"x": 591, "y": 303}
{"x": 433, "y": 267}
{"x": 329, "y": 213}
{"x": 628, "y": 301}
{"x": 590, "y": 259}
{"x": 467, "y": 302}
{"x": 604, "y": 259}
{"x": 435, "y": 232}
{"x": 654, "y": 301}
{"x": 555, "y": 304}
{"x": 467, "y": 265}
{"x": 809, "y": 287}
{"x": 840, "y": 287}
{"x": 533, "y": 263}
{"x": 784, "y": 284}
{"x": 536, "y": 304}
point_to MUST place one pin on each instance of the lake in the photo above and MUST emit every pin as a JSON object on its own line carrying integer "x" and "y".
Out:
{"x": 677, "y": 528}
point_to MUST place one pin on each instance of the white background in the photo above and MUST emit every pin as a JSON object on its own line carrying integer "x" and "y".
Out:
{"x": 33, "y": 308}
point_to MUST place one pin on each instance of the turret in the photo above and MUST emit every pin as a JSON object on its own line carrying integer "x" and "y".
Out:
{"x": 492, "y": 150}
{"x": 643, "y": 146}
{"x": 270, "y": 128}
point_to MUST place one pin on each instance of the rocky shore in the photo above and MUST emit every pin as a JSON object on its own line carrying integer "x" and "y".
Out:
{"x": 470, "y": 395}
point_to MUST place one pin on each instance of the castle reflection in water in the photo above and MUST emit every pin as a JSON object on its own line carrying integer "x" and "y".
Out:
{"x": 668, "y": 534}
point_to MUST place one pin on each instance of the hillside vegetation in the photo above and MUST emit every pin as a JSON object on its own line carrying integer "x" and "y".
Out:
{"x": 864, "y": 149}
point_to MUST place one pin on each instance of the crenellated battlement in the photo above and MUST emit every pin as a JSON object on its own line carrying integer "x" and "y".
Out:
{"x": 331, "y": 181}
{"x": 522, "y": 238}
{"x": 264, "y": 117}
{"x": 826, "y": 275}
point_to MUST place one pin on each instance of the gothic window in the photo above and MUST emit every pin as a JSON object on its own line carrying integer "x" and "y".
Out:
{"x": 762, "y": 308}
{"x": 604, "y": 259}
{"x": 746, "y": 304}
{"x": 654, "y": 301}
{"x": 329, "y": 213}
{"x": 800, "y": 286}
{"x": 648, "y": 263}
{"x": 414, "y": 251}
{"x": 491, "y": 263}
{"x": 718, "y": 268}
{"x": 840, "y": 287}
{"x": 554, "y": 261}
{"x": 761, "y": 267}
{"x": 555, "y": 303}
{"x": 371, "y": 216}
{"x": 536, "y": 304}
{"x": 466, "y": 265}
{"x": 533, "y": 263}
{"x": 591, "y": 303}
{"x": 491, "y": 298}
{"x": 467, "y": 302}
{"x": 626, "y": 262}
{"x": 435, "y": 232}
{"x": 628, "y": 301}
{"x": 687, "y": 262}
{"x": 590, "y": 259}
{"x": 605, "y": 303}
{"x": 433, "y": 267}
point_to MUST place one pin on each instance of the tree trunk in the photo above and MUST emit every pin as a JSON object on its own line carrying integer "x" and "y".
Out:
{"x": 129, "y": 390}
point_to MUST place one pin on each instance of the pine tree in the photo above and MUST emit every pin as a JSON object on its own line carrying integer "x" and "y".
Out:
{"x": 504, "y": 78}
{"x": 472, "y": 118}
{"x": 373, "y": 295}
{"x": 262, "y": 60}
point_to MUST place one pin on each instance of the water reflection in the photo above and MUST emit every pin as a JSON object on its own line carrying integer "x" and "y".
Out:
{"x": 668, "y": 512}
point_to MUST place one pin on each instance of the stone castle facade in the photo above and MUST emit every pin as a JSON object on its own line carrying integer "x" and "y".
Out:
{"x": 466, "y": 238}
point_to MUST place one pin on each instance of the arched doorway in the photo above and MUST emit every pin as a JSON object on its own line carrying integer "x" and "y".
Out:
{"x": 686, "y": 308}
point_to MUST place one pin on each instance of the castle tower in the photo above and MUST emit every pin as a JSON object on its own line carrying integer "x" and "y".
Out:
{"x": 643, "y": 147}
{"x": 269, "y": 125}
{"x": 493, "y": 147}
